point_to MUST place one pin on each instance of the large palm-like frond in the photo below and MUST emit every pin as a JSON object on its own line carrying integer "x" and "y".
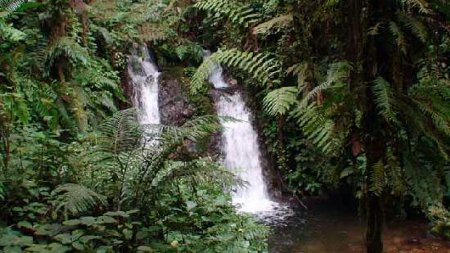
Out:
{"x": 262, "y": 67}
{"x": 280, "y": 101}
{"x": 75, "y": 199}
{"x": 238, "y": 13}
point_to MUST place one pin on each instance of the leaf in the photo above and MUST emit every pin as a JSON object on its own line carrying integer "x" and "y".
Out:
{"x": 279, "y": 101}
{"x": 190, "y": 205}
{"x": 144, "y": 249}
{"x": 14, "y": 240}
{"x": 25, "y": 224}
{"x": 118, "y": 214}
{"x": 346, "y": 172}
{"x": 106, "y": 220}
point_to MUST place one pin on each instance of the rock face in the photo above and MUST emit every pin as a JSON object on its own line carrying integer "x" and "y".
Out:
{"x": 175, "y": 108}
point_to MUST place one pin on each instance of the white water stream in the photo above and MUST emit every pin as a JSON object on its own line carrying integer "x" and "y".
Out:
{"x": 242, "y": 151}
{"x": 145, "y": 79}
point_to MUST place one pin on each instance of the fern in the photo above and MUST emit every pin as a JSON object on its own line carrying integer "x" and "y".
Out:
{"x": 337, "y": 74}
{"x": 421, "y": 5}
{"x": 416, "y": 27}
{"x": 439, "y": 121}
{"x": 9, "y": 33}
{"x": 120, "y": 133}
{"x": 67, "y": 46}
{"x": 279, "y": 101}
{"x": 398, "y": 35}
{"x": 384, "y": 99}
{"x": 75, "y": 199}
{"x": 238, "y": 13}
{"x": 317, "y": 128}
{"x": 260, "y": 66}
{"x": 377, "y": 178}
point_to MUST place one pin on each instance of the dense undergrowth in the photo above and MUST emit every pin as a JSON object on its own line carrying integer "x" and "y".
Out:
{"x": 76, "y": 175}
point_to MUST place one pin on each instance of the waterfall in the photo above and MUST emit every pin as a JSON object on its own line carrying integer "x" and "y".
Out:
{"x": 145, "y": 79}
{"x": 241, "y": 150}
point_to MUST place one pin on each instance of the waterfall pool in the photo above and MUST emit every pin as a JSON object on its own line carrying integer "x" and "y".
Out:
{"x": 333, "y": 228}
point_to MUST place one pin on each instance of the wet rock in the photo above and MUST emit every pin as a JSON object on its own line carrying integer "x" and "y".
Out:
{"x": 174, "y": 103}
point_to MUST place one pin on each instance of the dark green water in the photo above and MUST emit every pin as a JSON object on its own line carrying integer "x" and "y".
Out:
{"x": 331, "y": 228}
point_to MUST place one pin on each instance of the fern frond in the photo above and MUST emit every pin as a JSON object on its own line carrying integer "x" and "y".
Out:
{"x": 279, "y": 101}
{"x": 421, "y": 5}
{"x": 337, "y": 74}
{"x": 383, "y": 99}
{"x": 203, "y": 170}
{"x": 398, "y": 35}
{"x": 120, "y": 133}
{"x": 377, "y": 178}
{"x": 416, "y": 27}
{"x": 317, "y": 128}
{"x": 440, "y": 122}
{"x": 67, "y": 46}
{"x": 238, "y": 13}
{"x": 277, "y": 22}
{"x": 261, "y": 67}
{"x": 75, "y": 199}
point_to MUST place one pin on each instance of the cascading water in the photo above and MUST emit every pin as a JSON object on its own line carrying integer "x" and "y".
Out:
{"x": 241, "y": 150}
{"x": 145, "y": 78}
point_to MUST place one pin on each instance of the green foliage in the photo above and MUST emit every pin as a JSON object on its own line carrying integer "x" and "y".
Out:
{"x": 279, "y": 101}
{"x": 11, "y": 5}
{"x": 383, "y": 99}
{"x": 181, "y": 203}
{"x": 75, "y": 199}
{"x": 71, "y": 181}
{"x": 274, "y": 23}
{"x": 236, "y": 12}
{"x": 261, "y": 67}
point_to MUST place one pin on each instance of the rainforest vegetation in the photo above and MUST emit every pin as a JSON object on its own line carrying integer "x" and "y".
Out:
{"x": 350, "y": 96}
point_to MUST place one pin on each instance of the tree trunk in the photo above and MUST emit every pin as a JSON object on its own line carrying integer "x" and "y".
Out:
{"x": 375, "y": 218}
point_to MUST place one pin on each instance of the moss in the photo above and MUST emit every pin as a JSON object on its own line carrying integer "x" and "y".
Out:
{"x": 202, "y": 102}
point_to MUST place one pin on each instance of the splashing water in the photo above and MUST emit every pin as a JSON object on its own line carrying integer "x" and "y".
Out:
{"x": 242, "y": 153}
{"x": 145, "y": 78}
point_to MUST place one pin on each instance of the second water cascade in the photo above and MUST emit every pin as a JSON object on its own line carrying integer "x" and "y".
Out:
{"x": 241, "y": 151}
